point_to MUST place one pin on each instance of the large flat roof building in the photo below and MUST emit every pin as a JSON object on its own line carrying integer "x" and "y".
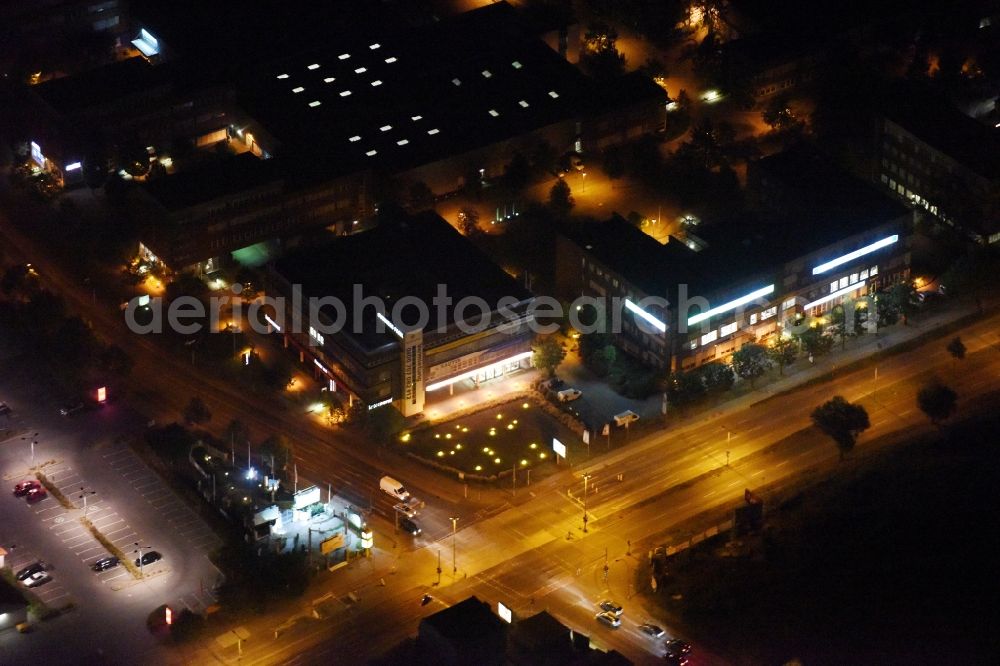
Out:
{"x": 388, "y": 355}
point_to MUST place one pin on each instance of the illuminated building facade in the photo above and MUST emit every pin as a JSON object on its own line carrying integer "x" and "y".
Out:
{"x": 758, "y": 272}
{"x": 377, "y": 357}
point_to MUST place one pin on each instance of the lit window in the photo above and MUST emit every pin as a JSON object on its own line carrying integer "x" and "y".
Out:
{"x": 789, "y": 303}
{"x": 516, "y": 65}
{"x": 315, "y": 65}
{"x": 457, "y": 82}
{"x": 728, "y": 329}
{"x": 402, "y": 142}
{"x": 316, "y": 336}
{"x": 345, "y": 93}
{"x": 753, "y": 319}
{"x": 709, "y": 337}
{"x": 343, "y": 56}
{"x": 524, "y": 105}
{"x": 494, "y": 113}
{"x": 433, "y": 131}
{"x": 833, "y": 286}
{"x": 694, "y": 343}
{"x": 385, "y": 128}
{"x": 553, "y": 94}
{"x": 374, "y": 46}
{"x": 864, "y": 274}
{"x": 329, "y": 79}
{"x": 361, "y": 70}
{"x": 376, "y": 83}
{"x": 371, "y": 153}
{"x": 282, "y": 76}
{"x": 416, "y": 118}
{"x": 854, "y": 278}
{"x": 843, "y": 282}
{"x": 354, "y": 138}
{"x": 298, "y": 89}
{"x": 487, "y": 74}
{"x": 873, "y": 271}
{"x": 315, "y": 103}
{"x": 390, "y": 60}
{"x": 768, "y": 313}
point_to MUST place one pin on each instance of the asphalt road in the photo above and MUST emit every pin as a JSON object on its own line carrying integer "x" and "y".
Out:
{"x": 522, "y": 556}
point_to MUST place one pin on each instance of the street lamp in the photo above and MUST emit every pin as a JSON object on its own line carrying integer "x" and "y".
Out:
{"x": 138, "y": 549}
{"x": 32, "y": 440}
{"x": 584, "y": 176}
{"x": 83, "y": 495}
{"x": 454, "y": 527}
{"x": 586, "y": 478}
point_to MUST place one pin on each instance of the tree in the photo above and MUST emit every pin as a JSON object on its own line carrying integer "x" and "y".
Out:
{"x": 814, "y": 342}
{"x": 196, "y": 412}
{"x": 971, "y": 275}
{"x": 956, "y": 348}
{"x": 468, "y": 222}
{"x": 777, "y": 114}
{"x": 113, "y": 360}
{"x": 236, "y": 431}
{"x": 842, "y": 421}
{"x": 751, "y": 361}
{"x": 543, "y": 156}
{"x": 717, "y": 377}
{"x": 937, "y": 401}
{"x": 684, "y": 388}
{"x": 547, "y": 354}
{"x": 561, "y": 198}
{"x": 898, "y": 301}
{"x": 278, "y": 448}
{"x": 421, "y": 197}
{"x": 783, "y": 352}
{"x": 613, "y": 164}
{"x": 516, "y": 173}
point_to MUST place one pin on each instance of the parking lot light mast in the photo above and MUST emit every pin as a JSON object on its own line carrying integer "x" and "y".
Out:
{"x": 83, "y": 495}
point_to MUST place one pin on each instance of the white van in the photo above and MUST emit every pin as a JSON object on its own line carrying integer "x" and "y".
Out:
{"x": 391, "y": 486}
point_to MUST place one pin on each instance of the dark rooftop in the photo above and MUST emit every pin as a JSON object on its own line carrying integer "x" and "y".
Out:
{"x": 467, "y": 621}
{"x": 935, "y": 121}
{"x": 212, "y": 180}
{"x": 401, "y": 99}
{"x": 113, "y": 82}
{"x": 402, "y": 256}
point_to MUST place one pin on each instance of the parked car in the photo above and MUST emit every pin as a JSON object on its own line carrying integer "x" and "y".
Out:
{"x": 36, "y": 579}
{"x": 609, "y": 619}
{"x": 105, "y": 563}
{"x": 24, "y": 487}
{"x": 626, "y": 417}
{"x": 675, "y": 659}
{"x": 71, "y": 407}
{"x": 651, "y": 630}
{"x": 148, "y": 558}
{"x": 553, "y": 384}
{"x": 36, "y": 494}
{"x": 409, "y": 526}
{"x": 405, "y": 510}
{"x": 611, "y": 607}
{"x": 568, "y": 395}
{"x": 32, "y": 568}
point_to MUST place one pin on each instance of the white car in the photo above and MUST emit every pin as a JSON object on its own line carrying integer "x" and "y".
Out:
{"x": 626, "y": 417}
{"x": 568, "y": 395}
{"x": 36, "y": 579}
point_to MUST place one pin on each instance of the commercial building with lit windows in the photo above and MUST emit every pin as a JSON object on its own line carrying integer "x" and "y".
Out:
{"x": 381, "y": 359}
{"x": 756, "y": 270}
{"x": 933, "y": 156}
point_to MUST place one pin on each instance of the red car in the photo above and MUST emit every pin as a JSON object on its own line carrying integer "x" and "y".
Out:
{"x": 25, "y": 487}
{"x": 37, "y": 494}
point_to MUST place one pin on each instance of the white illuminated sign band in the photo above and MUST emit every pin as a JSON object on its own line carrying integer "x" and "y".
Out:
{"x": 836, "y": 294}
{"x": 392, "y": 327}
{"x": 726, "y": 307}
{"x": 650, "y": 319}
{"x": 272, "y": 323}
{"x": 320, "y": 365}
{"x": 851, "y": 256}
{"x": 472, "y": 373}
{"x": 559, "y": 448}
{"x": 380, "y": 403}
{"x": 73, "y": 166}
{"x": 505, "y": 613}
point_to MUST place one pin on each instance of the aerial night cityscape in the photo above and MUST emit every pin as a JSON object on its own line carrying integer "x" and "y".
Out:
{"x": 489, "y": 332}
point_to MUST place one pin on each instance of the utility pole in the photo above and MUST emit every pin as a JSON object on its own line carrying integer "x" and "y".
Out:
{"x": 513, "y": 479}
{"x": 439, "y": 566}
{"x": 586, "y": 478}
{"x": 454, "y": 565}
